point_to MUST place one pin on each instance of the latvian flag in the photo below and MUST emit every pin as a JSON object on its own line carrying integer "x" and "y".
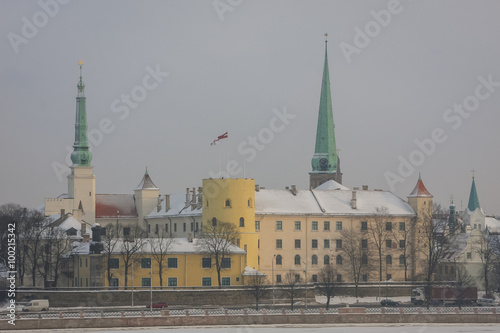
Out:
{"x": 220, "y": 137}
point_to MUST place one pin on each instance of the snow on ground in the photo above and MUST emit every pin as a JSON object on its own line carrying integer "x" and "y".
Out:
{"x": 360, "y": 300}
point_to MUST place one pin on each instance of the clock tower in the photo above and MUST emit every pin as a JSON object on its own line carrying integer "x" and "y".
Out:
{"x": 325, "y": 161}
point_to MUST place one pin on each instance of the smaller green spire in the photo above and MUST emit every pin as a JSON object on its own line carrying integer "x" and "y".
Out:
{"x": 81, "y": 155}
{"x": 473, "y": 198}
{"x": 146, "y": 170}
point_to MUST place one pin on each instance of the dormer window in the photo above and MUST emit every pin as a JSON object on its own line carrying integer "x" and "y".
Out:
{"x": 227, "y": 203}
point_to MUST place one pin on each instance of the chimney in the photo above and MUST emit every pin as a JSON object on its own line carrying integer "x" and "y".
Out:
{"x": 63, "y": 213}
{"x": 354, "y": 204}
{"x": 86, "y": 238}
{"x": 188, "y": 199}
{"x": 83, "y": 228}
{"x": 355, "y": 188}
{"x": 365, "y": 187}
{"x": 167, "y": 202}
{"x": 200, "y": 197}
{"x": 294, "y": 189}
{"x": 96, "y": 233}
{"x": 190, "y": 237}
{"x": 193, "y": 199}
{"x": 257, "y": 187}
{"x": 158, "y": 206}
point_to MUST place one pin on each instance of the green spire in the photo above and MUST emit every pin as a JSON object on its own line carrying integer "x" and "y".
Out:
{"x": 473, "y": 198}
{"x": 81, "y": 155}
{"x": 325, "y": 153}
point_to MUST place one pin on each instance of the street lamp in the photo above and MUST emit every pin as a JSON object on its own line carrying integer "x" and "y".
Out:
{"x": 151, "y": 287}
{"x": 132, "y": 282}
{"x": 272, "y": 265}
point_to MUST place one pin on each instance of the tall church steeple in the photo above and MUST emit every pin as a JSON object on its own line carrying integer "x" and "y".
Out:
{"x": 81, "y": 154}
{"x": 473, "y": 198}
{"x": 325, "y": 161}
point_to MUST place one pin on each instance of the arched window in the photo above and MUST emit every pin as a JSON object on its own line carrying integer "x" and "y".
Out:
{"x": 339, "y": 259}
{"x": 364, "y": 260}
{"x": 402, "y": 260}
{"x": 314, "y": 259}
{"x": 326, "y": 260}
{"x": 207, "y": 203}
{"x": 242, "y": 222}
{"x": 475, "y": 226}
{"x": 297, "y": 260}
{"x": 279, "y": 259}
{"x": 249, "y": 202}
{"x": 228, "y": 203}
{"x": 214, "y": 222}
{"x": 388, "y": 260}
{"x": 479, "y": 226}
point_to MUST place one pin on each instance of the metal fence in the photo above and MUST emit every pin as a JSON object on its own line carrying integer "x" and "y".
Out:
{"x": 245, "y": 312}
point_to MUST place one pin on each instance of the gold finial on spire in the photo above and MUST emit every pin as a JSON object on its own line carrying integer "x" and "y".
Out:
{"x": 80, "y": 63}
{"x": 326, "y": 37}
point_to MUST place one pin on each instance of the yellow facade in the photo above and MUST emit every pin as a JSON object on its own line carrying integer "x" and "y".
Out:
{"x": 233, "y": 200}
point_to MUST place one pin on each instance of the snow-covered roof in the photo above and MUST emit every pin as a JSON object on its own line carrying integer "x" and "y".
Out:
{"x": 492, "y": 224}
{"x": 249, "y": 271}
{"x": 177, "y": 207}
{"x": 331, "y": 185}
{"x": 115, "y": 205}
{"x": 420, "y": 190}
{"x": 146, "y": 183}
{"x": 328, "y": 202}
{"x": 457, "y": 246}
{"x": 177, "y": 246}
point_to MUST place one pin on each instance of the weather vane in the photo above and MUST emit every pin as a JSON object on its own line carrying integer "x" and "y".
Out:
{"x": 326, "y": 35}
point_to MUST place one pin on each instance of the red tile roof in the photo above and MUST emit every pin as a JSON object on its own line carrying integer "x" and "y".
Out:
{"x": 115, "y": 205}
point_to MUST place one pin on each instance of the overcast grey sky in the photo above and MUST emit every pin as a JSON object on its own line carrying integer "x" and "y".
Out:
{"x": 230, "y": 63}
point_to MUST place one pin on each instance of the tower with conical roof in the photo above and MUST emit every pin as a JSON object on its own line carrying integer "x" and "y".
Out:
{"x": 146, "y": 196}
{"x": 325, "y": 161}
{"x": 473, "y": 215}
{"x": 81, "y": 181}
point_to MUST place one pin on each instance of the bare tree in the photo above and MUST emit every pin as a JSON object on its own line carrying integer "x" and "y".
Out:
{"x": 377, "y": 229}
{"x": 54, "y": 245}
{"x": 358, "y": 258}
{"x": 402, "y": 235}
{"x": 33, "y": 242}
{"x": 290, "y": 282}
{"x": 486, "y": 249}
{"x": 256, "y": 282}
{"x": 216, "y": 240}
{"x": 160, "y": 246}
{"x": 327, "y": 284}
{"x": 131, "y": 245}
{"x": 463, "y": 281}
{"x": 110, "y": 240}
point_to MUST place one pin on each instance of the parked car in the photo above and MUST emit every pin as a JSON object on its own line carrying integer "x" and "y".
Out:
{"x": 37, "y": 305}
{"x": 389, "y": 302}
{"x": 487, "y": 302}
{"x": 158, "y": 305}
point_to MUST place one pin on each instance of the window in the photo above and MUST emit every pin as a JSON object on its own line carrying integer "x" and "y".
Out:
{"x": 114, "y": 263}
{"x": 226, "y": 281}
{"x": 297, "y": 225}
{"x": 214, "y": 222}
{"x": 339, "y": 259}
{"x": 81, "y": 262}
{"x": 314, "y": 226}
{"x": 338, "y": 243}
{"x": 206, "y": 262}
{"x": 279, "y": 260}
{"x": 364, "y": 260}
{"x": 86, "y": 262}
{"x": 146, "y": 282}
{"x": 258, "y": 243}
{"x": 339, "y": 277}
{"x": 469, "y": 255}
{"x": 297, "y": 278}
{"x": 279, "y": 243}
{"x": 314, "y": 278}
{"x": 297, "y": 243}
{"x": 402, "y": 226}
{"x": 297, "y": 260}
{"x": 326, "y": 243}
{"x": 445, "y": 269}
{"x": 156, "y": 229}
{"x": 388, "y": 260}
{"x": 364, "y": 243}
{"x": 146, "y": 263}
{"x": 389, "y": 277}
{"x": 226, "y": 263}
{"x": 196, "y": 227}
{"x": 338, "y": 226}
{"x": 192, "y": 226}
{"x": 388, "y": 243}
{"x": 326, "y": 225}
{"x": 126, "y": 231}
{"x": 257, "y": 225}
{"x": 402, "y": 244}
{"x": 278, "y": 278}
{"x": 314, "y": 260}
{"x": 228, "y": 203}
{"x": 326, "y": 260}
{"x": 166, "y": 227}
{"x": 175, "y": 227}
{"x": 364, "y": 277}
{"x": 388, "y": 226}
{"x": 172, "y": 282}
{"x": 314, "y": 243}
{"x": 172, "y": 263}
{"x": 113, "y": 283}
{"x": 402, "y": 260}
{"x": 452, "y": 270}
{"x": 206, "y": 282}
{"x": 242, "y": 222}
{"x": 249, "y": 202}
{"x": 364, "y": 225}
{"x": 279, "y": 225}
{"x": 184, "y": 227}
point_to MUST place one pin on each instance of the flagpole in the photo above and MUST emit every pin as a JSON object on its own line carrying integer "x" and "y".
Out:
{"x": 218, "y": 156}
{"x": 227, "y": 163}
